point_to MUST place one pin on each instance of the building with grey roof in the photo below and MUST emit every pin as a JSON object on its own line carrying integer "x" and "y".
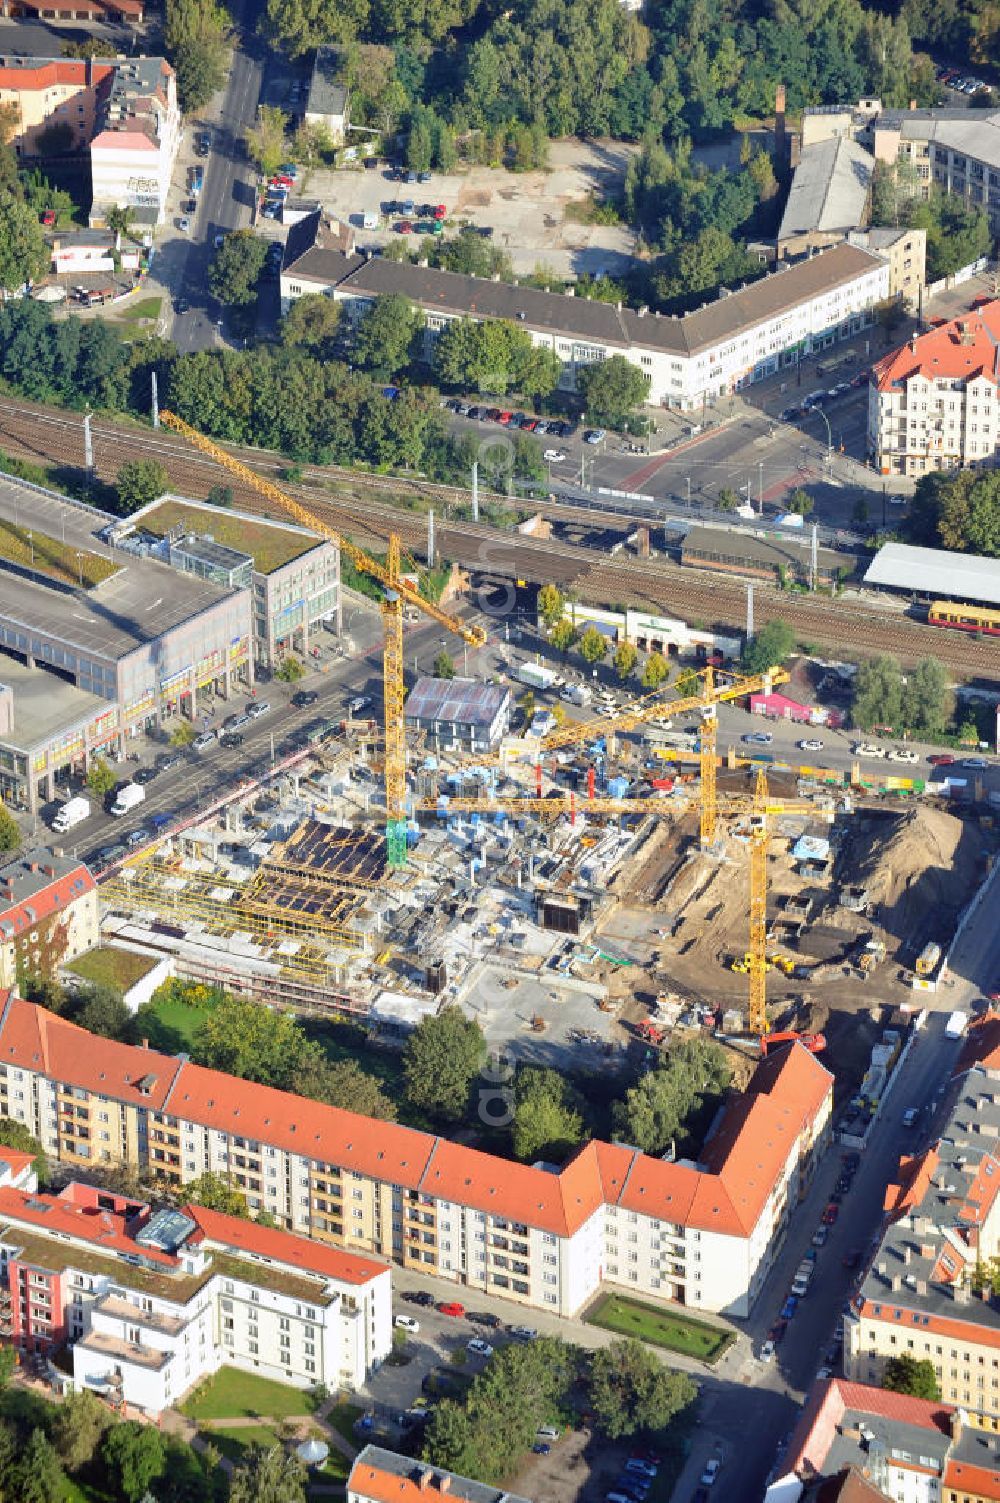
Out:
{"x": 459, "y": 712}
{"x": 936, "y": 573}
{"x": 829, "y": 194}
{"x": 45, "y": 895}
{"x": 739, "y": 337}
{"x": 327, "y": 102}
{"x": 378, "y": 1475}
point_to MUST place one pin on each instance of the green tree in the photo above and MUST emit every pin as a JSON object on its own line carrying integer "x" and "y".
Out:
{"x": 548, "y": 1119}
{"x": 728, "y": 499}
{"x": 302, "y": 25}
{"x": 612, "y": 389}
{"x": 800, "y": 502}
{"x": 101, "y": 1010}
{"x": 906, "y": 1374}
{"x": 311, "y": 324}
{"x": 593, "y": 645}
{"x": 196, "y": 37}
{"x": 630, "y": 1390}
{"x": 216, "y": 1194}
{"x": 660, "y": 1107}
{"x": 442, "y": 1057}
{"x": 313, "y": 144}
{"x": 182, "y": 734}
{"x": 78, "y": 1426}
{"x": 268, "y": 1477}
{"x": 563, "y": 635}
{"x": 236, "y": 268}
{"x": 220, "y": 495}
{"x": 91, "y": 47}
{"x": 134, "y": 1457}
{"x": 14, "y": 1134}
{"x": 654, "y": 670}
{"x": 290, "y": 670}
{"x": 769, "y": 647}
{"x": 120, "y": 219}
{"x": 551, "y": 604}
{"x": 39, "y": 1477}
{"x": 343, "y": 1083}
{"x": 255, "y": 1043}
{"x": 386, "y": 336}
{"x": 444, "y": 666}
{"x": 626, "y": 657}
{"x": 687, "y": 683}
{"x": 265, "y": 141}
{"x": 10, "y": 831}
{"x": 968, "y": 505}
{"x": 24, "y": 255}
{"x": 138, "y": 482}
{"x": 928, "y": 701}
{"x": 878, "y": 693}
{"x": 8, "y": 1362}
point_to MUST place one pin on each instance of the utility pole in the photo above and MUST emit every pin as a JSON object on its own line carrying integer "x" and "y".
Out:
{"x": 156, "y": 404}
{"x": 749, "y": 611}
{"x": 475, "y": 491}
{"x": 88, "y": 451}
{"x": 813, "y": 557}
{"x": 760, "y": 486}
{"x": 689, "y": 489}
{"x": 430, "y": 538}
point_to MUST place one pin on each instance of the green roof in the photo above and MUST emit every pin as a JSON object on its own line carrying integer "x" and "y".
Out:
{"x": 272, "y": 544}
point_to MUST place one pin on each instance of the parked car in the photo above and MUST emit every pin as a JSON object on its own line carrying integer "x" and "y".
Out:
{"x": 594, "y": 436}
{"x": 831, "y": 1213}
{"x": 523, "y": 1333}
{"x": 766, "y": 1353}
{"x": 789, "y": 1308}
{"x": 973, "y": 762}
{"x": 479, "y": 1318}
{"x": 451, "y": 1307}
{"x": 407, "y": 1323}
{"x": 204, "y": 742}
{"x": 304, "y": 697}
{"x": 867, "y": 749}
{"x": 167, "y": 760}
{"x": 137, "y": 837}
{"x": 810, "y": 745}
{"x": 942, "y": 759}
{"x": 547, "y": 1432}
{"x": 903, "y": 754}
{"x": 419, "y": 1297}
{"x": 359, "y": 702}
{"x": 541, "y": 1448}
{"x": 712, "y": 1469}
{"x": 554, "y": 456}
{"x": 820, "y": 1235}
{"x": 852, "y": 1259}
{"x": 758, "y": 738}
{"x": 478, "y": 1347}
{"x": 184, "y": 224}
{"x": 145, "y": 774}
{"x": 231, "y": 740}
{"x": 257, "y": 708}
{"x": 789, "y": 414}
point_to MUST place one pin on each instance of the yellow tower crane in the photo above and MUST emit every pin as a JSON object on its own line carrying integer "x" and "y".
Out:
{"x": 396, "y": 592}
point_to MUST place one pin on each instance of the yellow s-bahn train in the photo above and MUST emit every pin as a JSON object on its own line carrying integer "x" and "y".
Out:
{"x": 978, "y": 618}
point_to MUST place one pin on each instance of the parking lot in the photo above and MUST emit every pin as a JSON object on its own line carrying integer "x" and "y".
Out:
{"x": 526, "y": 212}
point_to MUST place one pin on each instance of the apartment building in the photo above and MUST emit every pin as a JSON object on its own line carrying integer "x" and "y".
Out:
{"x": 741, "y": 337}
{"x": 48, "y": 913}
{"x": 704, "y": 1234}
{"x": 122, "y": 111}
{"x": 934, "y": 404}
{"x": 150, "y": 1302}
{"x": 881, "y": 1445}
{"x": 380, "y": 1476}
{"x": 925, "y": 1293}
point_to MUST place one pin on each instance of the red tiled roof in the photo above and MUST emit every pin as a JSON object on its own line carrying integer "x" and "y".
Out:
{"x": 122, "y": 140}
{"x": 968, "y": 1329}
{"x": 960, "y": 349}
{"x": 972, "y": 1481}
{"x": 312, "y": 1129}
{"x": 300, "y": 1253}
{"x": 16, "y": 1162}
{"x": 559, "y": 1203}
{"x": 50, "y": 73}
{"x": 914, "y": 1175}
{"x": 982, "y": 1044}
{"x": 825, "y": 1409}
{"x": 33, "y": 1039}
{"x": 57, "y": 1217}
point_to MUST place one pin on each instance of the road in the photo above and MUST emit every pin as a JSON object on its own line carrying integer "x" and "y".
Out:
{"x": 226, "y": 200}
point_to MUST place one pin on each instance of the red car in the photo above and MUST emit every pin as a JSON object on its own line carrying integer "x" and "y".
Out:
{"x": 440, "y": 211}
{"x": 405, "y": 227}
{"x": 452, "y": 1307}
{"x": 831, "y": 1213}
{"x": 505, "y": 418}
{"x": 941, "y": 759}
{"x": 282, "y": 180}
{"x": 529, "y": 425}
{"x": 49, "y": 217}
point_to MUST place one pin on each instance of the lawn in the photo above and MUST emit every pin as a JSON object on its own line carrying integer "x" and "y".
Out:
{"x": 234, "y": 1395}
{"x": 171, "y": 1026}
{"x": 343, "y": 1419}
{"x": 33, "y": 549}
{"x": 233, "y": 1444}
{"x": 146, "y": 308}
{"x": 271, "y": 546}
{"x": 119, "y": 969}
{"x": 666, "y": 1328}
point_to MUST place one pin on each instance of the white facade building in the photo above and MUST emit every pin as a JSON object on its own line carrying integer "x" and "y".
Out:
{"x": 719, "y": 348}
{"x": 152, "y": 1303}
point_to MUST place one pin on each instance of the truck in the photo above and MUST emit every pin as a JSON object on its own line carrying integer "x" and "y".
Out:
{"x": 576, "y": 694}
{"x": 955, "y": 1026}
{"x": 536, "y": 676}
{"x": 928, "y": 958}
{"x": 128, "y": 797}
{"x": 73, "y": 812}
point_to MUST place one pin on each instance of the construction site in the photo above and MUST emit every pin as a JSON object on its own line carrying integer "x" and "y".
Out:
{"x": 581, "y": 893}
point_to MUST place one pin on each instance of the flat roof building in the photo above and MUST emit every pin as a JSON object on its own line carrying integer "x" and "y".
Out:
{"x": 740, "y": 337}
{"x": 936, "y": 573}
{"x": 124, "y": 629}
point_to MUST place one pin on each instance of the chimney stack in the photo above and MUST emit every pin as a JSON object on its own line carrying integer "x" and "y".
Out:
{"x": 425, "y": 1479}
{"x": 444, "y": 1483}
{"x": 955, "y": 1425}
{"x": 780, "y": 134}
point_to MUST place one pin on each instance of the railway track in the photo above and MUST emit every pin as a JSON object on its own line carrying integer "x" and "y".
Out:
{"x": 50, "y": 435}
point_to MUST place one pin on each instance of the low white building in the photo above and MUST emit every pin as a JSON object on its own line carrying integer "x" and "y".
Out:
{"x": 326, "y": 104}
{"x": 152, "y": 1303}
{"x": 740, "y": 337}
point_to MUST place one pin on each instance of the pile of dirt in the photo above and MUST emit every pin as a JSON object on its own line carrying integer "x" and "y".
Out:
{"x": 921, "y": 874}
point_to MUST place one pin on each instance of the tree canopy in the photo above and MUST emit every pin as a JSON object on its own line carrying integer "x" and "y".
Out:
{"x": 631, "y": 1391}
{"x": 913, "y": 1376}
{"x": 14, "y": 1134}
{"x": 548, "y": 1116}
{"x": 769, "y": 647}
{"x": 612, "y": 389}
{"x": 958, "y": 510}
{"x": 236, "y": 268}
{"x": 663, "y": 1104}
{"x": 386, "y": 335}
{"x": 441, "y": 1059}
{"x": 494, "y": 357}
